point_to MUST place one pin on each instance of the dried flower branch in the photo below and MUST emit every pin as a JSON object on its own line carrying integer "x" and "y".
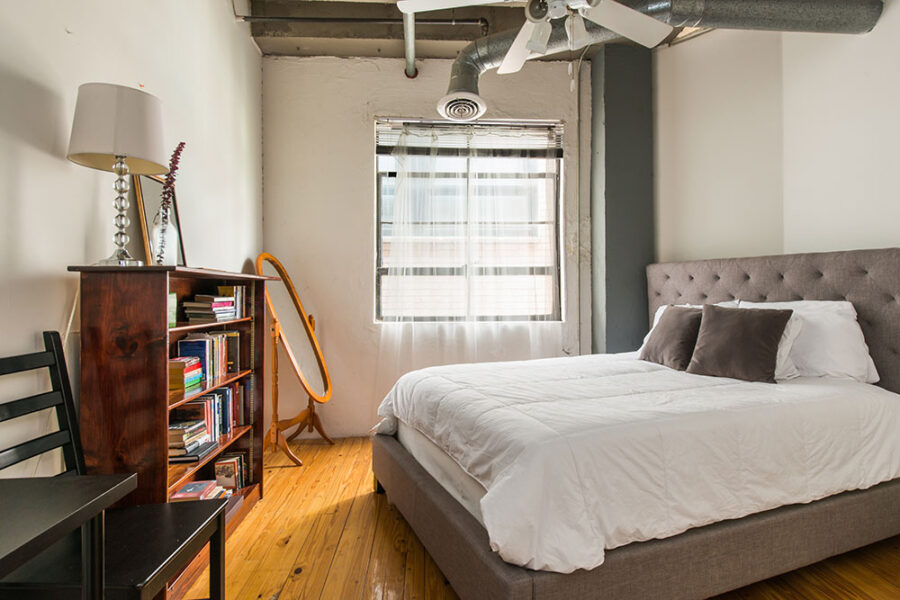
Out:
{"x": 165, "y": 205}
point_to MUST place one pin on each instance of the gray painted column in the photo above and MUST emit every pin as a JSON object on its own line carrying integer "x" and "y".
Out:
{"x": 622, "y": 192}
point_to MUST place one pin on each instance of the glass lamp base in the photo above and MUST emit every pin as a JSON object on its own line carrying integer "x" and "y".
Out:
{"x": 120, "y": 258}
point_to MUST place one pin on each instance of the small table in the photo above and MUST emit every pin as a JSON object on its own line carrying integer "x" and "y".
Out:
{"x": 39, "y": 511}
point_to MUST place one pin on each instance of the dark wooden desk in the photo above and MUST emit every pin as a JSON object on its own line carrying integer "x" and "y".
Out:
{"x": 39, "y": 511}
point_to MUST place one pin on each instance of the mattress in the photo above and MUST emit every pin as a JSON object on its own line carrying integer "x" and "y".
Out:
{"x": 584, "y": 454}
{"x": 459, "y": 484}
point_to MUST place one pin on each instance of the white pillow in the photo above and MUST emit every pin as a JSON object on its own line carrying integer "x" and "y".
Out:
{"x": 830, "y": 342}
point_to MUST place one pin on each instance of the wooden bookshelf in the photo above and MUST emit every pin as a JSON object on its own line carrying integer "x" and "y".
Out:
{"x": 125, "y": 398}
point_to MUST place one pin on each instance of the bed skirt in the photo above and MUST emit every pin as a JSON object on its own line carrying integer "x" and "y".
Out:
{"x": 699, "y": 563}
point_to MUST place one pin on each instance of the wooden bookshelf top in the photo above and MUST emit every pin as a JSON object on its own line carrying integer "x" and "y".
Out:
{"x": 175, "y": 272}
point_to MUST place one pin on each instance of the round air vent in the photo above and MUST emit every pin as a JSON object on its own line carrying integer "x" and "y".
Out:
{"x": 461, "y": 106}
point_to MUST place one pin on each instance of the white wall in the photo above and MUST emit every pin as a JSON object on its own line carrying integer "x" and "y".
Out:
{"x": 718, "y": 146}
{"x": 203, "y": 66}
{"x": 770, "y": 143}
{"x": 319, "y": 205}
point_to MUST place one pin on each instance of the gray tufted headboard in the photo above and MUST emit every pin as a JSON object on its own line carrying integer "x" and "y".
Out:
{"x": 870, "y": 279}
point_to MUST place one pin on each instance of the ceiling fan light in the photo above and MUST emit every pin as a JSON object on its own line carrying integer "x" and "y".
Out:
{"x": 540, "y": 37}
{"x": 576, "y": 31}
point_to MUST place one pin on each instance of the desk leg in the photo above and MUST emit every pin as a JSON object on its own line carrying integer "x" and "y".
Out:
{"x": 217, "y": 561}
{"x": 93, "y": 559}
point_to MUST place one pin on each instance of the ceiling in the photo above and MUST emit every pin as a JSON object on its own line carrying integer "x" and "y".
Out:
{"x": 372, "y": 27}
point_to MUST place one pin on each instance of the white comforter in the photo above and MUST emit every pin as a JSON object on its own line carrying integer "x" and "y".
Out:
{"x": 580, "y": 455}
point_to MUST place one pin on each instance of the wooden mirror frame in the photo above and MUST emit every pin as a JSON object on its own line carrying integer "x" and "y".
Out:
{"x": 308, "y": 417}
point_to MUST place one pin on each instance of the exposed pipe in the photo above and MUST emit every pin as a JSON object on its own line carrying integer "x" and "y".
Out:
{"x": 409, "y": 43}
{"x": 482, "y": 23}
{"x": 462, "y": 102}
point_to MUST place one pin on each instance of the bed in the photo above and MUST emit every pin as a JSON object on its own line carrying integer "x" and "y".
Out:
{"x": 706, "y": 559}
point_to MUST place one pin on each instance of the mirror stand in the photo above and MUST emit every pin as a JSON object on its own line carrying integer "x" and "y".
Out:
{"x": 306, "y": 419}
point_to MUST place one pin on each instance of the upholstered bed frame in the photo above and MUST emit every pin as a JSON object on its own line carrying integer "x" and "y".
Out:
{"x": 708, "y": 560}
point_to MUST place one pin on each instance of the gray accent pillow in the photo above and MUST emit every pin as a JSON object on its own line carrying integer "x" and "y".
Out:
{"x": 738, "y": 343}
{"x": 671, "y": 343}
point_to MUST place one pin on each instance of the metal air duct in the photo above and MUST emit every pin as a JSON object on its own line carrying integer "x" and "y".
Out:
{"x": 462, "y": 102}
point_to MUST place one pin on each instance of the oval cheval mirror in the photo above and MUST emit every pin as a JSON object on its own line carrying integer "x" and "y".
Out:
{"x": 294, "y": 330}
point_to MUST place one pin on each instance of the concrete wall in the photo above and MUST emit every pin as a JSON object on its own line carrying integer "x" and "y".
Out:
{"x": 205, "y": 68}
{"x": 319, "y": 206}
{"x": 770, "y": 143}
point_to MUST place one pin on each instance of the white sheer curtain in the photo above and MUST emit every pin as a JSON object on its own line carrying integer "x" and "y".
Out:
{"x": 468, "y": 266}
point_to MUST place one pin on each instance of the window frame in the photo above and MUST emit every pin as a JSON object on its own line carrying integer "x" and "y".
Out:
{"x": 558, "y": 202}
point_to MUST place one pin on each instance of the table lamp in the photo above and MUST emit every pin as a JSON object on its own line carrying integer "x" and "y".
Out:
{"x": 118, "y": 129}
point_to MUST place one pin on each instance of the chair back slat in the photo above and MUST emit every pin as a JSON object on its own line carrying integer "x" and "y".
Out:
{"x": 24, "y": 406}
{"x": 25, "y": 362}
{"x": 60, "y": 397}
{"x": 32, "y": 448}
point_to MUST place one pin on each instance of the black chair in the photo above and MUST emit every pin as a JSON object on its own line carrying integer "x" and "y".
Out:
{"x": 146, "y": 546}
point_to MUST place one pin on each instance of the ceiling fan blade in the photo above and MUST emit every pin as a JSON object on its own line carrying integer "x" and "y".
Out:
{"x": 634, "y": 25}
{"x": 518, "y": 51}
{"x": 416, "y": 6}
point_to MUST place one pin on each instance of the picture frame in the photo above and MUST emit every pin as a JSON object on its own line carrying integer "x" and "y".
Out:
{"x": 148, "y": 194}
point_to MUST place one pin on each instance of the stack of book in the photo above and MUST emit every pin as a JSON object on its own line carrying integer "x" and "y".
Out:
{"x": 231, "y": 470}
{"x": 218, "y": 410}
{"x": 185, "y": 374}
{"x": 206, "y": 308}
{"x": 200, "y": 490}
{"x": 188, "y": 438}
{"x": 219, "y": 353}
{"x": 237, "y": 293}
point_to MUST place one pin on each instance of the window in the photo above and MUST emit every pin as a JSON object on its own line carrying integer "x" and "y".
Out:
{"x": 468, "y": 221}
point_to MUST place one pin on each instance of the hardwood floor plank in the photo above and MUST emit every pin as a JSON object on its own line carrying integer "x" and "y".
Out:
{"x": 310, "y": 570}
{"x": 296, "y": 519}
{"x": 387, "y": 564}
{"x": 347, "y": 574}
{"x": 321, "y": 533}
{"x": 414, "y": 580}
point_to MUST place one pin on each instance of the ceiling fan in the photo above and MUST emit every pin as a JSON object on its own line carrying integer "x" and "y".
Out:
{"x": 535, "y": 33}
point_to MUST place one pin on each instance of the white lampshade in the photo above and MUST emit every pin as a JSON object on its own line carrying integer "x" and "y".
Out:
{"x": 114, "y": 120}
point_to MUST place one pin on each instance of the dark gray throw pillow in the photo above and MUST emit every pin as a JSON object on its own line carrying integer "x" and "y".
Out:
{"x": 741, "y": 343}
{"x": 671, "y": 342}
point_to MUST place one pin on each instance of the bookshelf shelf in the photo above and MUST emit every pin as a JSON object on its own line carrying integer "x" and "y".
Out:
{"x": 180, "y": 473}
{"x": 176, "y": 399}
{"x": 182, "y": 326}
{"x": 126, "y": 345}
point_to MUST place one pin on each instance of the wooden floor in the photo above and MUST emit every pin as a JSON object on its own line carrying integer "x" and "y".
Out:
{"x": 321, "y": 532}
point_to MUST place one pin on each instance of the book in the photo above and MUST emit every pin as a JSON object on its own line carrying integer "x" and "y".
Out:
{"x": 172, "y": 309}
{"x": 209, "y": 305}
{"x": 210, "y": 298}
{"x": 181, "y": 430}
{"x": 236, "y": 292}
{"x": 228, "y": 472}
{"x": 183, "y": 370}
{"x": 196, "y": 455}
{"x": 232, "y": 351}
{"x": 204, "y": 319}
{"x": 242, "y": 466}
{"x": 200, "y": 348}
{"x": 193, "y": 490}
